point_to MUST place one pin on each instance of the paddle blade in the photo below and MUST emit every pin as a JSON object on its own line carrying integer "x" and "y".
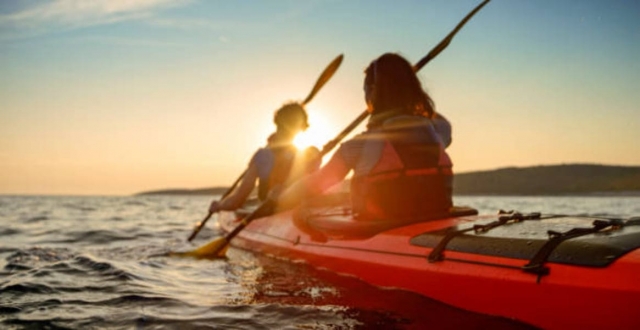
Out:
{"x": 324, "y": 77}
{"x": 445, "y": 42}
{"x": 215, "y": 249}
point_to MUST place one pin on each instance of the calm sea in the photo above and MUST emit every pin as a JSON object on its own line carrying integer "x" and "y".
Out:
{"x": 85, "y": 263}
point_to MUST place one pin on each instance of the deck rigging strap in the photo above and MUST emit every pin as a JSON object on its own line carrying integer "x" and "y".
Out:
{"x": 437, "y": 254}
{"x": 537, "y": 263}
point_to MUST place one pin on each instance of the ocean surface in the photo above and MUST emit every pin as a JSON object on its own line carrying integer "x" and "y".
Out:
{"x": 87, "y": 263}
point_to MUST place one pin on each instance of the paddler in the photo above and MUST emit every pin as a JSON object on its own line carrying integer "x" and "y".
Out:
{"x": 279, "y": 163}
{"x": 400, "y": 167}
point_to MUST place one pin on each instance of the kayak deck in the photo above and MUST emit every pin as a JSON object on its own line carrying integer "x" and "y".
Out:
{"x": 589, "y": 280}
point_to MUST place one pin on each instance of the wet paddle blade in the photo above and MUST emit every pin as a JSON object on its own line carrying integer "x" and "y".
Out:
{"x": 215, "y": 249}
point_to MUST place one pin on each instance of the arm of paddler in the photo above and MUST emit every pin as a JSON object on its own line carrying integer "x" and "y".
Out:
{"x": 314, "y": 184}
{"x": 239, "y": 195}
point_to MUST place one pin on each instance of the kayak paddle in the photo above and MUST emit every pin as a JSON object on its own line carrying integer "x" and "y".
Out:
{"x": 322, "y": 80}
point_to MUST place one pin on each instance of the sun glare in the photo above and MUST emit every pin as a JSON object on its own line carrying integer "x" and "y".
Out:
{"x": 316, "y": 135}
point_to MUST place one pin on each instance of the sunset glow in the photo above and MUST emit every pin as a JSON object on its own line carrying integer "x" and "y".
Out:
{"x": 118, "y": 97}
{"x": 318, "y": 133}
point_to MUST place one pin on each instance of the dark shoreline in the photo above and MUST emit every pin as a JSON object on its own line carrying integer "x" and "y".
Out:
{"x": 586, "y": 180}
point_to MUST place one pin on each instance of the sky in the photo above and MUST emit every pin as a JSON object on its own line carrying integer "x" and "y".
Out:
{"x": 114, "y": 97}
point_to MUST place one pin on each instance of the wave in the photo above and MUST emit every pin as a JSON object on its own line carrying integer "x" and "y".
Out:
{"x": 38, "y": 255}
{"x": 9, "y": 231}
{"x": 104, "y": 269}
{"x": 26, "y": 288}
{"x": 92, "y": 237}
{"x": 36, "y": 219}
{"x": 77, "y": 207}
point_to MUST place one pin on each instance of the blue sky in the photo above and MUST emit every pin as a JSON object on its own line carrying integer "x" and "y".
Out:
{"x": 115, "y": 97}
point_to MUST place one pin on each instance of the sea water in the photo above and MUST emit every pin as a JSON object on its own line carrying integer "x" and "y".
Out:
{"x": 87, "y": 263}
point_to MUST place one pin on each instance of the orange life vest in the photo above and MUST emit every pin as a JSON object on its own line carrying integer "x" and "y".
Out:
{"x": 412, "y": 177}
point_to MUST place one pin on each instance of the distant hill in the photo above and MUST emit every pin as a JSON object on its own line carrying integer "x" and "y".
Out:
{"x": 570, "y": 179}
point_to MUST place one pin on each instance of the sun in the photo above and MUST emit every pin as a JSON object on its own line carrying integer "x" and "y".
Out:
{"x": 317, "y": 135}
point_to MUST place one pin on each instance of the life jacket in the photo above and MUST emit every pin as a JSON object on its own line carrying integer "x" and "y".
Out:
{"x": 283, "y": 171}
{"x": 412, "y": 177}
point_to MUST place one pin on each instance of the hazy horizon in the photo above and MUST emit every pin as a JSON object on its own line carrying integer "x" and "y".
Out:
{"x": 224, "y": 187}
{"x": 117, "y": 97}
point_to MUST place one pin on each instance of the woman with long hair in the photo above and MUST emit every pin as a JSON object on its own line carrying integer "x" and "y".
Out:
{"x": 400, "y": 168}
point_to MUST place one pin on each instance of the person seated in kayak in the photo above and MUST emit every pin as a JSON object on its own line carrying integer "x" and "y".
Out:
{"x": 401, "y": 169}
{"x": 276, "y": 164}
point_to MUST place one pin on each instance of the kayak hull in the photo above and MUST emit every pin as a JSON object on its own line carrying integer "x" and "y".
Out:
{"x": 568, "y": 296}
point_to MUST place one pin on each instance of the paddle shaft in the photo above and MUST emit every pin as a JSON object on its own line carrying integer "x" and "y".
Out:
{"x": 204, "y": 221}
{"x": 269, "y": 204}
{"x": 326, "y": 74}
{"x": 199, "y": 227}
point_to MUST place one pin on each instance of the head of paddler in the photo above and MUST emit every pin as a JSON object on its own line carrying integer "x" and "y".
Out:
{"x": 290, "y": 120}
{"x": 390, "y": 84}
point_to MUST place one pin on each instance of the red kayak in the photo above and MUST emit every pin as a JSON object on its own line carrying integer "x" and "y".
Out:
{"x": 551, "y": 271}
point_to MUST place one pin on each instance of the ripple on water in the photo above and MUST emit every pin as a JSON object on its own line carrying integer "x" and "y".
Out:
{"x": 36, "y": 219}
{"x": 26, "y": 288}
{"x": 9, "y": 232}
{"x": 38, "y": 255}
{"x": 135, "y": 203}
{"x": 105, "y": 270}
{"x": 79, "y": 207}
{"x": 92, "y": 237}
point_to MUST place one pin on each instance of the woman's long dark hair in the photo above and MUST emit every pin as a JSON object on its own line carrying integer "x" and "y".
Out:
{"x": 397, "y": 87}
